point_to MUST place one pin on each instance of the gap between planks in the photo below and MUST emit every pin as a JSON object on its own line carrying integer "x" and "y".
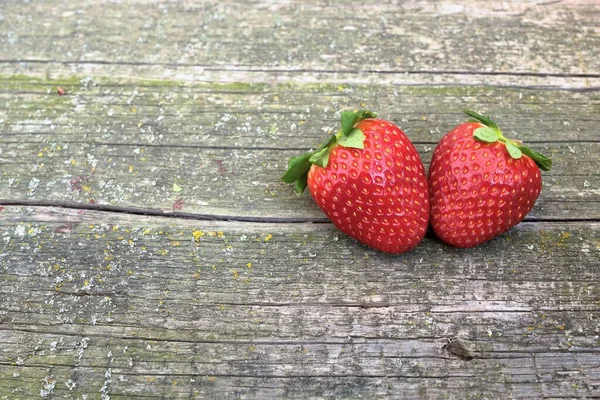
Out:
{"x": 154, "y": 212}
{"x": 243, "y": 68}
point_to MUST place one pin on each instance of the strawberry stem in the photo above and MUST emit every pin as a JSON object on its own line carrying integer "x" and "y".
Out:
{"x": 491, "y": 133}
{"x": 347, "y": 136}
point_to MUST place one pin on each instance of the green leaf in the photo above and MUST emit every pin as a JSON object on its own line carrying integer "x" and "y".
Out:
{"x": 364, "y": 114}
{"x": 349, "y": 118}
{"x": 301, "y": 184}
{"x": 320, "y": 158}
{"x": 355, "y": 139}
{"x": 513, "y": 150}
{"x": 483, "y": 119}
{"x": 541, "y": 160}
{"x": 486, "y": 134}
{"x": 297, "y": 167}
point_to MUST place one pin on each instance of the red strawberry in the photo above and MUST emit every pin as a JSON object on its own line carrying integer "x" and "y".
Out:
{"x": 369, "y": 180}
{"x": 481, "y": 184}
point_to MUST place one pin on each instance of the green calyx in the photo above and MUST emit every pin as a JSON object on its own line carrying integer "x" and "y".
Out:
{"x": 347, "y": 136}
{"x": 490, "y": 133}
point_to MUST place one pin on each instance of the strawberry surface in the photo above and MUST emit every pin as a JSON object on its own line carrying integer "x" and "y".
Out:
{"x": 373, "y": 187}
{"x": 377, "y": 194}
{"x": 479, "y": 185}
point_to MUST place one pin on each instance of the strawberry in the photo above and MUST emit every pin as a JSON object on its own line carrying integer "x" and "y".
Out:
{"x": 481, "y": 184}
{"x": 369, "y": 180}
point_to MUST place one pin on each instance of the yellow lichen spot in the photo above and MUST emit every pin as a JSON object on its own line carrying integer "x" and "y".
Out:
{"x": 86, "y": 283}
{"x": 40, "y": 154}
{"x": 146, "y": 231}
{"x": 175, "y": 244}
{"x": 220, "y": 234}
{"x": 247, "y": 280}
{"x": 197, "y": 235}
{"x": 268, "y": 237}
{"x": 530, "y": 328}
{"x": 340, "y": 88}
{"x": 131, "y": 168}
{"x": 56, "y": 267}
{"x": 163, "y": 252}
{"x": 214, "y": 267}
{"x": 130, "y": 242}
{"x": 560, "y": 327}
{"x": 566, "y": 235}
{"x": 134, "y": 109}
{"x": 235, "y": 273}
{"x": 58, "y": 148}
{"x": 129, "y": 272}
{"x": 73, "y": 162}
{"x": 249, "y": 265}
{"x": 120, "y": 237}
{"x": 31, "y": 231}
{"x": 211, "y": 379}
{"x": 196, "y": 275}
{"x": 115, "y": 228}
{"x": 251, "y": 348}
{"x": 143, "y": 248}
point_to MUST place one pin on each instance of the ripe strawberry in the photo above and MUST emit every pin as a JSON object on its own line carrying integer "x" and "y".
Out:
{"x": 481, "y": 184}
{"x": 369, "y": 180}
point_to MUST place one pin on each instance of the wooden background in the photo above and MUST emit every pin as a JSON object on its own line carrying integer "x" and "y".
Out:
{"x": 149, "y": 250}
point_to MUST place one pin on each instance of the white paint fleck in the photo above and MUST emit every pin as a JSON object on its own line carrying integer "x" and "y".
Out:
{"x": 586, "y": 184}
{"x": 20, "y": 231}
{"x": 70, "y": 384}
{"x": 33, "y": 184}
{"x": 585, "y": 248}
{"x": 81, "y": 346}
{"x": 91, "y": 160}
{"x": 48, "y": 388}
{"x": 530, "y": 246}
{"x": 53, "y": 346}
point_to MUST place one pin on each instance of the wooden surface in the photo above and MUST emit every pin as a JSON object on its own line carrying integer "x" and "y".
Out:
{"x": 148, "y": 248}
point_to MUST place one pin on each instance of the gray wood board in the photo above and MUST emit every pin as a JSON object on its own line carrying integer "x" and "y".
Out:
{"x": 108, "y": 303}
{"x": 463, "y": 37}
{"x": 111, "y": 142}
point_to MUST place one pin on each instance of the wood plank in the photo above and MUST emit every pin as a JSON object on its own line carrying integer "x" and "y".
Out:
{"x": 133, "y": 304}
{"x": 114, "y": 143}
{"x": 530, "y": 37}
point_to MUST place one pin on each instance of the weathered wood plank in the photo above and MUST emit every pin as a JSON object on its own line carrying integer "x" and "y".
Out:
{"x": 529, "y": 37}
{"x": 240, "y": 115}
{"x": 136, "y": 305}
{"x": 225, "y": 146}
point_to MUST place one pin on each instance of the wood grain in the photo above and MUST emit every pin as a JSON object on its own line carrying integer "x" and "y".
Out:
{"x": 232, "y": 286}
{"x": 225, "y": 146}
{"x": 463, "y": 37}
{"x": 267, "y": 310}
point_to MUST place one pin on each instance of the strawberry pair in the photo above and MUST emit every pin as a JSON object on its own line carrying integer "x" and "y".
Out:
{"x": 369, "y": 180}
